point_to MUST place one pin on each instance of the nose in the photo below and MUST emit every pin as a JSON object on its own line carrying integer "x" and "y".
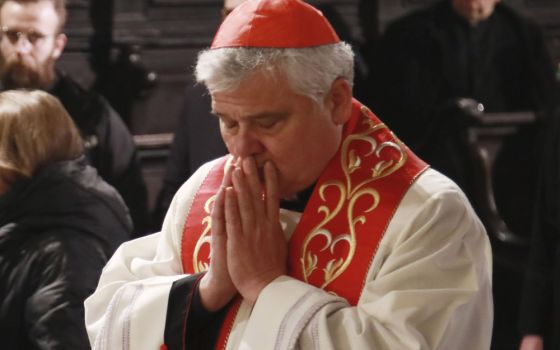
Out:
{"x": 23, "y": 45}
{"x": 245, "y": 143}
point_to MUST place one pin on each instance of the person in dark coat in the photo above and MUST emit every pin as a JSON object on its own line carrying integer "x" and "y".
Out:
{"x": 434, "y": 56}
{"x": 32, "y": 41}
{"x": 482, "y": 50}
{"x": 540, "y": 307}
{"x": 59, "y": 224}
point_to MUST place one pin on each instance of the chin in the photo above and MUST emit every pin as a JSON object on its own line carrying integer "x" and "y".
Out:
{"x": 287, "y": 193}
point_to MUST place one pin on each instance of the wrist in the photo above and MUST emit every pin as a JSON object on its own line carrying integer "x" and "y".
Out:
{"x": 252, "y": 293}
{"x": 212, "y": 297}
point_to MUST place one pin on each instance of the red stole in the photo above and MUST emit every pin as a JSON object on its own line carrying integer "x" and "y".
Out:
{"x": 351, "y": 206}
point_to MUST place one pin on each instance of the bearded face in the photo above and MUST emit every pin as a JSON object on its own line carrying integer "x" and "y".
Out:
{"x": 17, "y": 71}
{"x": 30, "y": 43}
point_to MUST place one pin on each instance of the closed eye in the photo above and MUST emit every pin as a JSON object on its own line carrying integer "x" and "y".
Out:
{"x": 225, "y": 122}
{"x": 270, "y": 121}
{"x": 267, "y": 123}
{"x": 228, "y": 124}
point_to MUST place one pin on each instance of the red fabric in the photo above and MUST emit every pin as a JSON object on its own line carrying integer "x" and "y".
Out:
{"x": 275, "y": 24}
{"x": 163, "y": 347}
{"x": 195, "y": 244}
{"x": 350, "y": 185}
{"x": 354, "y": 171}
{"x": 227, "y": 325}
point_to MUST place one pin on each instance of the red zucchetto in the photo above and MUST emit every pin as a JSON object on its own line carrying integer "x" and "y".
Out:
{"x": 275, "y": 24}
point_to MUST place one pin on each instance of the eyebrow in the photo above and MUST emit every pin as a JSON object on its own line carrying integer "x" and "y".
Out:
{"x": 257, "y": 116}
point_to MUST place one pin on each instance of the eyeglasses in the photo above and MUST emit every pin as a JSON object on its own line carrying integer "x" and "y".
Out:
{"x": 33, "y": 37}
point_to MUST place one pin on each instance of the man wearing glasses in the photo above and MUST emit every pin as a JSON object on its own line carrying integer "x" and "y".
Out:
{"x": 32, "y": 41}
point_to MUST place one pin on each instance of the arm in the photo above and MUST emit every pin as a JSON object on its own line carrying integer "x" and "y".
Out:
{"x": 131, "y": 302}
{"x": 65, "y": 272}
{"x": 539, "y": 290}
{"x": 428, "y": 287}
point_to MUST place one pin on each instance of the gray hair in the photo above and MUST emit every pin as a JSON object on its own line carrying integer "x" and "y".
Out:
{"x": 310, "y": 71}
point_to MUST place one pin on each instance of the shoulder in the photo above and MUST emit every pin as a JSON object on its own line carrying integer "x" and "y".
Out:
{"x": 519, "y": 21}
{"x": 417, "y": 33}
{"x": 432, "y": 188}
{"x": 191, "y": 186}
{"x": 71, "y": 92}
{"x": 423, "y": 20}
{"x": 183, "y": 199}
{"x": 84, "y": 104}
{"x": 433, "y": 219}
{"x": 433, "y": 204}
{"x": 84, "y": 202}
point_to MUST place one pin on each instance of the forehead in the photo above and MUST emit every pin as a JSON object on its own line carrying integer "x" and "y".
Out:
{"x": 30, "y": 15}
{"x": 256, "y": 94}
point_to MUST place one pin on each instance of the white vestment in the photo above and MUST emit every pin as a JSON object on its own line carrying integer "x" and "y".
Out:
{"x": 428, "y": 287}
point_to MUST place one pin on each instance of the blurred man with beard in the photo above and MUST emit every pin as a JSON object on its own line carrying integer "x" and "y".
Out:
{"x": 32, "y": 40}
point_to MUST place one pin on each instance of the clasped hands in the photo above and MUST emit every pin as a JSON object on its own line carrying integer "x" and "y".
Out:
{"x": 249, "y": 249}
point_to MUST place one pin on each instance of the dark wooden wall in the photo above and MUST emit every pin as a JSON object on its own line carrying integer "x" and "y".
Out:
{"x": 140, "y": 54}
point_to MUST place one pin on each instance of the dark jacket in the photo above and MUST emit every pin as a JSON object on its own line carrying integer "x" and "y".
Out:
{"x": 109, "y": 146}
{"x": 432, "y": 57}
{"x": 57, "y": 231}
{"x": 540, "y": 307}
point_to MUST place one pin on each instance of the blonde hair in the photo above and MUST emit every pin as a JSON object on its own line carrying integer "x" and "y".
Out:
{"x": 35, "y": 131}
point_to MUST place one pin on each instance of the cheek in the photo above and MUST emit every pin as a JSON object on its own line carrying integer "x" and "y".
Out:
{"x": 293, "y": 156}
{"x": 5, "y": 49}
{"x": 227, "y": 141}
{"x": 42, "y": 57}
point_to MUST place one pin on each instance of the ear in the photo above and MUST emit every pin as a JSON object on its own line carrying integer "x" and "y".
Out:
{"x": 339, "y": 101}
{"x": 59, "y": 44}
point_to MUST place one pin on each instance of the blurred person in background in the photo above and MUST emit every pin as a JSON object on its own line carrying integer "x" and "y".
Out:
{"x": 32, "y": 40}
{"x": 486, "y": 51}
{"x": 59, "y": 224}
{"x": 540, "y": 307}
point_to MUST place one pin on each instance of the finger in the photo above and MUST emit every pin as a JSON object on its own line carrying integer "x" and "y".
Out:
{"x": 232, "y": 220}
{"x": 272, "y": 192}
{"x": 218, "y": 209}
{"x": 255, "y": 184}
{"x": 217, "y": 224}
{"x": 244, "y": 200}
{"x": 230, "y": 166}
